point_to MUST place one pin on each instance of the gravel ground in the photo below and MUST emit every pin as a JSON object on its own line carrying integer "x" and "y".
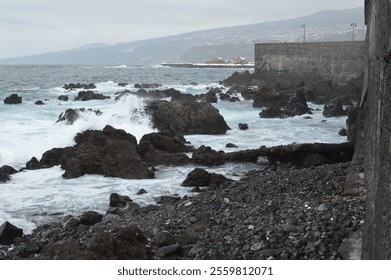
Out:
{"x": 275, "y": 213}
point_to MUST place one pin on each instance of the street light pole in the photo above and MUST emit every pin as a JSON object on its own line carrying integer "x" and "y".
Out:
{"x": 354, "y": 26}
{"x": 303, "y": 26}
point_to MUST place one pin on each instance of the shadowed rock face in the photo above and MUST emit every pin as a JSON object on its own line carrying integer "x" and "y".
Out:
{"x": 186, "y": 117}
{"x": 111, "y": 152}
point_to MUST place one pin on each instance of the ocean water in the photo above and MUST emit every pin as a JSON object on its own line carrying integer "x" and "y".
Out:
{"x": 27, "y": 130}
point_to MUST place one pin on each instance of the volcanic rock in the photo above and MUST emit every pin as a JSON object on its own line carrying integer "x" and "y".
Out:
{"x": 205, "y": 155}
{"x": 72, "y": 86}
{"x": 8, "y": 232}
{"x": 201, "y": 178}
{"x": 13, "y": 99}
{"x": 186, "y": 117}
{"x": 333, "y": 108}
{"x": 90, "y": 95}
{"x": 71, "y": 115}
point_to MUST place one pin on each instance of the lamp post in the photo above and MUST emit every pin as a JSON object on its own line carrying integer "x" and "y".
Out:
{"x": 354, "y": 26}
{"x": 303, "y": 26}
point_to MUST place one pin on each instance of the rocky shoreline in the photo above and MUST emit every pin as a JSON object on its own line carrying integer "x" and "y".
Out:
{"x": 279, "y": 212}
{"x": 294, "y": 208}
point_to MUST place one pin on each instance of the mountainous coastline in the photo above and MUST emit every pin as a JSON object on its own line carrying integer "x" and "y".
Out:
{"x": 199, "y": 46}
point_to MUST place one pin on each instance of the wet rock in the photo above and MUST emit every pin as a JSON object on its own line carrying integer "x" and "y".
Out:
{"x": 63, "y": 98}
{"x": 274, "y": 112}
{"x": 123, "y": 84}
{"x": 72, "y": 86}
{"x": 266, "y": 97}
{"x": 243, "y": 126}
{"x": 186, "y": 117}
{"x": 90, "y": 218}
{"x": 117, "y": 200}
{"x": 90, "y": 95}
{"x": 201, "y": 178}
{"x": 333, "y": 108}
{"x": 343, "y": 132}
{"x": 231, "y": 145}
{"x": 5, "y": 172}
{"x": 72, "y": 115}
{"x": 141, "y": 191}
{"x": 205, "y": 155}
{"x": 39, "y": 102}
{"x": 143, "y": 86}
{"x": 13, "y": 99}
{"x": 8, "y": 233}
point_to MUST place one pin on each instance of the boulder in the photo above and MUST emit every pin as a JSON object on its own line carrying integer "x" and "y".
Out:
{"x": 142, "y": 86}
{"x": 90, "y": 95}
{"x": 201, "y": 178}
{"x": 72, "y": 115}
{"x": 122, "y": 84}
{"x": 8, "y": 232}
{"x": 162, "y": 237}
{"x": 111, "y": 153}
{"x": 39, "y": 102}
{"x": 274, "y": 112}
{"x": 297, "y": 105}
{"x": 63, "y": 98}
{"x": 163, "y": 148}
{"x": 205, "y": 155}
{"x": 6, "y": 169}
{"x": 243, "y": 126}
{"x": 13, "y": 99}
{"x": 4, "y": 177}
{"x": 90, "y": 218}
{"x": 266, "y": 97}
{"x": 231, "y": 145}
{"x": 167, "y": 199}
{"x": 117, "y": 200}
{"x": 343, "y": 132}
{"x": 333, "y": 108}
{"x": 186, "y": 118}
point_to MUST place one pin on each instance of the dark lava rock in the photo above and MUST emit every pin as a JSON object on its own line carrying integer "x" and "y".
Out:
{"x": 243, "y": 126}
{"x": 71, "y": 115}
{"x": 123, "y": 84}
{"x": 186, "y": 117}
{"x": 274, "y": 112}
{"x": 111, "y": 152}
{"x": 205, "y": 155}
{"x": 343, "y": 132}
{"x": 90, "y": 95}
{"x": 33, "y": 164}
{"x": 90, "y": 218}
{"x": 231, "y": 145}
{"x": 127, "y": 243}
{"x": 142, "y": 86}
{"x": 266, "y": 97}
{"x": 13, "y": 99}
{"x": 162, "y": 237}
{"x": 8, "y": 233}
{"x": 5, "y": 172}
{"x": 168, "y": 250}
{"x": 63, "y": 98}
{"x": 72, "y": 86}
{"x": 202, "y": 178}
{"x": 333, "y": 108}
{"x": 163, "y": 149}
{"x": 141, "y": 191}
{"x": 117, "y": 200}
{"x": 39, "y": 102}
{"x": 167, "y": 199}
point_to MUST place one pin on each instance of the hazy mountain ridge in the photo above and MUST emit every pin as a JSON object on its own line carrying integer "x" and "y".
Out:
{"x": 200, "y": 46}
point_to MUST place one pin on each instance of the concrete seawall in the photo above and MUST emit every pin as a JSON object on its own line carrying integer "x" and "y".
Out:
{"x": 338, "y": 61}
{"x": 377, "y": 234}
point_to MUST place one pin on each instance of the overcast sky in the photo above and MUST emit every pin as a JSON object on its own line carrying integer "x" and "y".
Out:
{"x": 37, "y": 26}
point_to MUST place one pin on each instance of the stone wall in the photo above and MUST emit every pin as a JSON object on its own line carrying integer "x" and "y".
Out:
{"x": 377, "y": 233}
{"x": 335, "y": 60}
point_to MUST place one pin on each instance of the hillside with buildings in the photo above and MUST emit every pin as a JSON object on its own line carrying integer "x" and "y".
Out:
{"x": 200, "y": 46}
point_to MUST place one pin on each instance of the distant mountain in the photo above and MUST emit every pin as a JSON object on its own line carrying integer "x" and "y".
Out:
{"x": 200, "y": 46}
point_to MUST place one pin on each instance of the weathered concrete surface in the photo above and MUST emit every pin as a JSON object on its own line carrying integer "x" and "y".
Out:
{"x": 339, "y": 61}
{"x": 377, "y": 234}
